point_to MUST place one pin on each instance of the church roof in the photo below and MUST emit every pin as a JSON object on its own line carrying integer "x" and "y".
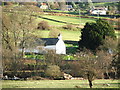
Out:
{"x": 50, "y": 41}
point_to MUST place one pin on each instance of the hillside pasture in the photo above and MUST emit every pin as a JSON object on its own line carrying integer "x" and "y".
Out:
{"x": 62, "y": 20}
{"x": 66, "y": 35}
{"x": 105, "y": 4}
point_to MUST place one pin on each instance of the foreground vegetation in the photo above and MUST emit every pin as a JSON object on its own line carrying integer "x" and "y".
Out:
{"x": 60, "y": 84}
{"x": 22, "y": 31}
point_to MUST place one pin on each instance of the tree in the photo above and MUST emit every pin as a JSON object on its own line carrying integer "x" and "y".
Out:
{"x": 109, "y": 45}
{"x": 51, "y": 58}
{"x": 62, "y": 5}
{"x": 17, "y": 32}
{"x": 90, "y": 76}
{"x": 104, "y": 60}
{"x": 73, "y": 4}
{"x": 93, "y": 34}
{"x": 43, "y": 25}
{"x": 53, "y": 5}
{"x": 116, "y": 61}
{"x": 10, "y": 37}
{"x": 53, "y": 71}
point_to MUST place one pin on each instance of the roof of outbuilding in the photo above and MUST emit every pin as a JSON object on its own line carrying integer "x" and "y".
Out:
{"x": 50, "y": 41}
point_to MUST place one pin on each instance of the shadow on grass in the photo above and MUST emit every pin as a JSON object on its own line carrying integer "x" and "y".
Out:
{"x": 56, "y": 20}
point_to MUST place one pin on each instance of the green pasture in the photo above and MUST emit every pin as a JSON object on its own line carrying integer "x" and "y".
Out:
{"x": 59, "y": 84}
{"x": 50, "y": 22}
{"x": 105, "y": 4}
{"x": 66, "y": 35}
{"x": 59, "y": 11}
{"x": 59, "y": 20}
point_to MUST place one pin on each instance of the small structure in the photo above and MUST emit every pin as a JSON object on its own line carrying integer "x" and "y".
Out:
{"x": 67, "y": 76}
{"x": 44, "y": 6}
{"x": 55, "y": 44}
{"x": 69, "y": 7}
{"x": 98, "y": 11}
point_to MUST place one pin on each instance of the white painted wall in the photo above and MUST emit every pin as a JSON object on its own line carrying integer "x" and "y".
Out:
{"x": 60, "y": 47}
{"x": 101, "y": 12}
{"x": 44, "y": 7}
{"x": 50, "y": 47}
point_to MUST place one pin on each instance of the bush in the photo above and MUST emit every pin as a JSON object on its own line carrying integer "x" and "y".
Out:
{"x": 54, "y": 33}
{"x": 68, "y": 26}
{"x": 53, "y": 72}
{"x": 43, "y": 25}
{"x": 71, "y": 27}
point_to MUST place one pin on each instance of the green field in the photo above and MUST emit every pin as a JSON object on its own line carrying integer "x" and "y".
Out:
{"x": 58, "y": 20}
{"x": 66, "y": 35}
{"x": 105, "y": 4}
{"x": 59, "y": 84}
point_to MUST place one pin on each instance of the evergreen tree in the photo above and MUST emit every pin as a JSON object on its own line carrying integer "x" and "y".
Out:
{"x": 93, "y": 34}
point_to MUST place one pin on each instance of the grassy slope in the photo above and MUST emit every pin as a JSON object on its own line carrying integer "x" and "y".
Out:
{"x": 105, "y": 4}
{"x": 73, "y": 20}
{"x": 49, "y": 22}
{"x": 59, "y": 84}
{"x": 67, "y": 35}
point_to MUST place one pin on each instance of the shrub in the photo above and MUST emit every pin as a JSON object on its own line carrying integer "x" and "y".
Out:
{"x": 68, "y": 26}
{"x": 54, "y": 33}
{"x": 71, "y": 27}
{"x": 52, "y": 58}
{"x": 43, "y": 25}
{"x": 53, "y": 71}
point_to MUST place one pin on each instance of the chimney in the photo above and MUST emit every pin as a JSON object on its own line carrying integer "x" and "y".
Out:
{"x": 59, "y": 36}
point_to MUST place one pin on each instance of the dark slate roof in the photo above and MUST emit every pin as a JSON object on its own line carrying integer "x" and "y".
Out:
{"x": 69, "y": 6}
{"x": 50, "y": 41}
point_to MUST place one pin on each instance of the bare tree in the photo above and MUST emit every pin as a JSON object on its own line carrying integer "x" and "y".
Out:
{"x": 17, "y": 33}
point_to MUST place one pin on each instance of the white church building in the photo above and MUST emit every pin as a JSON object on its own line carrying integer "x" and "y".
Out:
{"x": 55, "y": 44}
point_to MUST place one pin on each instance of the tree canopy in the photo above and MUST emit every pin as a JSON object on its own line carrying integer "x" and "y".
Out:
{"x": 94, "y": 33}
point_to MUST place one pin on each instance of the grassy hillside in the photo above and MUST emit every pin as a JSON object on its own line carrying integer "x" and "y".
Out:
{"x": 67, "y": 35}
{"x": 105, "y": 4}
{"x": 59, "y": 20}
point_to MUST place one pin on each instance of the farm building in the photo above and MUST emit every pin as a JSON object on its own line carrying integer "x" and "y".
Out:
{"x": 69, "y": 7}
{"x": 44, "y": 6}
{"x": 55, "y": 44}
{"x": 98, "y": 10}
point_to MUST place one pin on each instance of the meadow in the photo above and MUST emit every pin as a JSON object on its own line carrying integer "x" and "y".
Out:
{"x": 59, "y": 21}
{"x": 62, "y": 20}
{"x": 60, "y": 84}
{"x": 67, "y": 35}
